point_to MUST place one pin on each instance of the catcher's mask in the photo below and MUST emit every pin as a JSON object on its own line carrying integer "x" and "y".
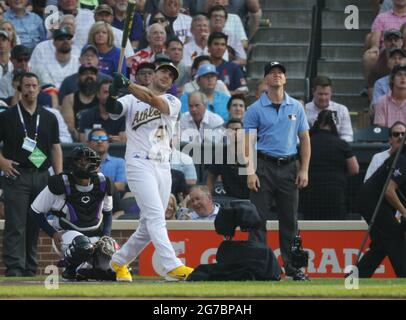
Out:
{"x": 83, "y": 162}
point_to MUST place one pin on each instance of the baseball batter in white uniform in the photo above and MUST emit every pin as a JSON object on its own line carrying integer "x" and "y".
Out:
{"x": 151, "y": 115}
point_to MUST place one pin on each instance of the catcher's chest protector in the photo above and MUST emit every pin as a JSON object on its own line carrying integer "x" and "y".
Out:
{"x": 84, "y": 208}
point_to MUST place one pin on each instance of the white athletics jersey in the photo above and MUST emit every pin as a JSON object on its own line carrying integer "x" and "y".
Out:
{"x": 149, "y": 132}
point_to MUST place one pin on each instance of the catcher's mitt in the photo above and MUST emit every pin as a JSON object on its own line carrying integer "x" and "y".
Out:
{"x": 106, "y": 246}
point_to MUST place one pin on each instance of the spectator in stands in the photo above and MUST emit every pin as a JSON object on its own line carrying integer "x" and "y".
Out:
{"x": 396, "y": 131}
{"x": 137, "y": 29}
{"x": 378, "y": 69}
{"x": 197, "y": 45}
{"x": 29, "y": 26}
{"x": 179, "y": 23}
{"x": 46, "y": 48}
{"x": 201, "y": 204}
{"x": 25, "y": 176}
{"x": 89, "y": 56}
{"x": 84, "y": 20}
{"x": 392, "y": 19}
{"x": 174, "y": 50}
{"x": 157, "y": 17}
{"x": 172, "y": 208}
{"x": 112, "y": 167}
{"x": 229, "y": 72}
{"x": 5, "y": 48}
{"x": 12, "y": 34}
{"x": 236, "y": 106}
{"x": 102, "y": 37}
{"x": 193, "y": 86}
{"x": 182, "y": 162}
{"x": 76, "y": 103}
{"x": 105, "y": 13}
{"x": 218, "y": 16}
{"x": 392, "y": 107}
{"x": 61, "y": 64}
{"x": 156, "y": 37}
{"x": 332, "y": 160}
{"x": 381, "y": 87}
{"x": 97, "y": 117}
{"x": 200, "y": 124}
{"x": 206, "y": 79}
{"x": 145, "y": 73}
{"x": 322, "y": 92}
{"x": 247, "y": 10}
{"x": 235, "y": 183}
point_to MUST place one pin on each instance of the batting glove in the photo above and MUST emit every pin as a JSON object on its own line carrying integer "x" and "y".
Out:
{"x": 120, "y": 81}
{"x": 113, "y": 91}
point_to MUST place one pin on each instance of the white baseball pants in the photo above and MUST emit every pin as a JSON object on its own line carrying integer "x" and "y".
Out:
{"x": 150, "y": 182}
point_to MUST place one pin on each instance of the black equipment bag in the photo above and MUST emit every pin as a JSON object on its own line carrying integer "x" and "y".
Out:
{"x": 240, "y": 260}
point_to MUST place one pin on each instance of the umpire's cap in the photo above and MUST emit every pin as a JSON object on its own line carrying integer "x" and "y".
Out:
{"x": 274, "y": 64}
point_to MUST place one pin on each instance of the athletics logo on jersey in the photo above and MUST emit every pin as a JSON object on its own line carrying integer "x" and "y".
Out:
{"x": 145, "y": 116}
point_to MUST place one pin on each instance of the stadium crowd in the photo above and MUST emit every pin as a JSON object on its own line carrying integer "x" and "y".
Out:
{"x": 75, "y": 52}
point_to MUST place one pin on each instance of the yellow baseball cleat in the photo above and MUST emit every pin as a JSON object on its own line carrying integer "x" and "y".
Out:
{"x": 122, "y": 273}
{"x": 179, "y": 274}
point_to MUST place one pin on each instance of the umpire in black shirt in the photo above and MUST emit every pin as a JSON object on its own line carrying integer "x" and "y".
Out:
{"x": 30, "y": 137}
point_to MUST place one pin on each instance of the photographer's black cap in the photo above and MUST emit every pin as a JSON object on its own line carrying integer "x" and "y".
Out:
{"x": 274, "y": 64}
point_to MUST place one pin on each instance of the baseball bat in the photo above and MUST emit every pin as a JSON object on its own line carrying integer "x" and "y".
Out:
{"x": 126, "y": 31}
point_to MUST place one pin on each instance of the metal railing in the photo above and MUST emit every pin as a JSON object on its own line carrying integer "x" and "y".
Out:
{"x": 314, "y": 49}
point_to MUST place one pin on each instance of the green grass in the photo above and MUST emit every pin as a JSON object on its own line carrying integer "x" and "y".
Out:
{"x": 152, "y": 287}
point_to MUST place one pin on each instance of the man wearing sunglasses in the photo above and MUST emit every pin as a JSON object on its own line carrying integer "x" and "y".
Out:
{"x": 112, "y": 167}
{"x": 387, "y": 232}
{"x": 396, "y": 133}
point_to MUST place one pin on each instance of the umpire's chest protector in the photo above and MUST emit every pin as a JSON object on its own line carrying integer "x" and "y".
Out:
{"x": 84, "y": 209}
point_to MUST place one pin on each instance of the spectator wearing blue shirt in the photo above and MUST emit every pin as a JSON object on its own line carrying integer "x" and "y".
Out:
{"x": 29, "y": 26}
{"x": 229, "y": 72}
{"x": 97, "y": 117}
{"x": 206, "y": 78}
{"x": 112, "y": 167}
{"x": 381, "y": 86}
{"x": 137, "y": 28}
{"x": 101, "y": 36}
{"x": 274, "y": 123}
